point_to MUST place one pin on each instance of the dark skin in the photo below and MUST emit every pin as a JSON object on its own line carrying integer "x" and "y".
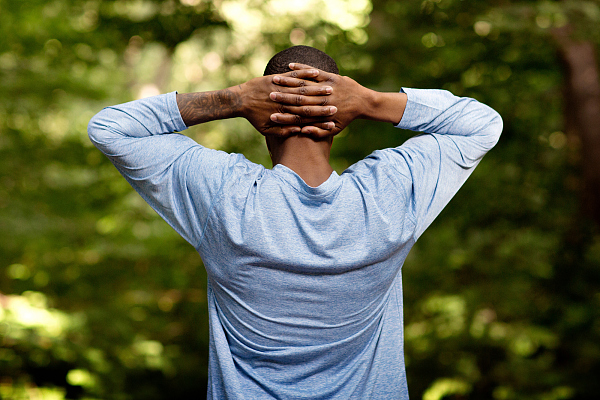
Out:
{"x": 250, "y": 100}
{"x": 354, "y": 100}
{"x": 297, "y": 112}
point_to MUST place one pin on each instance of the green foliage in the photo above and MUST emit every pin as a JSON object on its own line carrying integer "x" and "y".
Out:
{"x": 101, "y": 299}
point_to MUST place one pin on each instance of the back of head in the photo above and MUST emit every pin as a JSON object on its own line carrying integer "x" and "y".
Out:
{"x": 279, "y": 64}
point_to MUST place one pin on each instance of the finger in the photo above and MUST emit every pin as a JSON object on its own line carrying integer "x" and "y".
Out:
{"x": 295, "y": 119}
{"x": 292, "y": 81}
{"x": 297, "y": 66}
{"x": 280, "y": 130}
{"x": 308, "y": 73}
{"x": 326, "y": 126}
{"x": 317, "y": 132}
{"x": 320, "y": 77}
{"x": 286, "y": 131}
{"x": 309, "y": 111}
{"x": 316, "y": 90}
{"x": 297, "y": 99}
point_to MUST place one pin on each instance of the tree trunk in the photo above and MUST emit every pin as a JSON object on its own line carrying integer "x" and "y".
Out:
{"x": 582, "y": 113}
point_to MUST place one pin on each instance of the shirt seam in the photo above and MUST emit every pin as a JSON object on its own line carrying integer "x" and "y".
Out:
{"x": 215, "y": 199}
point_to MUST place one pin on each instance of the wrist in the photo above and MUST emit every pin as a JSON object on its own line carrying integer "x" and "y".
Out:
{"x": 370, "y": 102}
{"x": 239, "y": 107}
{"x": 250, "y": 97}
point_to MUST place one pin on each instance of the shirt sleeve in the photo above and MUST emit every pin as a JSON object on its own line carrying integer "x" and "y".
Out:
{"x": 458, "y": 132}
{"x": 140, "y": 140}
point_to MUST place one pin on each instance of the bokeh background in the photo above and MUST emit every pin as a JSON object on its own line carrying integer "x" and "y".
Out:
{"x": 100, "y": 299}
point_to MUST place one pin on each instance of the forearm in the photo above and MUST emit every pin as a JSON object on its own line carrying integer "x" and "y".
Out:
{"x": 383, "y": 107}
{"x": 196, "y": 108}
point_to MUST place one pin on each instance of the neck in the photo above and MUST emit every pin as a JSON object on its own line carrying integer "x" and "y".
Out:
{"x": 303, "y": 155}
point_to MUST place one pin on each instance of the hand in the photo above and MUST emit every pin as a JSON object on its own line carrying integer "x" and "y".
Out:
{"x": 348, "y": 96}
{"x": 304, "y": 104}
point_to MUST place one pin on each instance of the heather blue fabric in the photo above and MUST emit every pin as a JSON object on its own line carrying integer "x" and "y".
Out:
{"x": 304, "y": 283}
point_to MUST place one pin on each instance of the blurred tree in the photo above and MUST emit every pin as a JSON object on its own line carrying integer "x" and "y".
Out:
{"x": 582, "y": 111}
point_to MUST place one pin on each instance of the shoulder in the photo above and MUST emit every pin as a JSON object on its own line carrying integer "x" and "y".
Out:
{"x": 377, "y": 161}
{"x": 384, "y": 169}
{"x": 215, "y": 167}
{"x": 211, "y": 159}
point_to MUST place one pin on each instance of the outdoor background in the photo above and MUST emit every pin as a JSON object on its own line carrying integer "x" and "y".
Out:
{"x": 100, "y": 299}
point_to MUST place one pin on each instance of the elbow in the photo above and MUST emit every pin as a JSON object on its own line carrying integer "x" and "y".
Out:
{"x": 99, "y": 128}
{"x": 94, "y": 128}
{"x": 495, "y": 128}
{"x": 490, "y": 129}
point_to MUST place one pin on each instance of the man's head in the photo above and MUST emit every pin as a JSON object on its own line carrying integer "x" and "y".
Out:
{"x": 299, "y": 147}
{"x": 280, "y": 62}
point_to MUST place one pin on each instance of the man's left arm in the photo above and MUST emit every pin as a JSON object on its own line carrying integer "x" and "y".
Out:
{"x": 139, "y": 139}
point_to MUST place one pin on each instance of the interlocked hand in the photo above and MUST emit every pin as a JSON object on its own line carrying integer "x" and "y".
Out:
{"x": 305, "y": 103}
{"x": 346, "y": 95}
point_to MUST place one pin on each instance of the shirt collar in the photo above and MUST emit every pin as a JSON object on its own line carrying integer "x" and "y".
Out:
{"x": 325, "y": 188}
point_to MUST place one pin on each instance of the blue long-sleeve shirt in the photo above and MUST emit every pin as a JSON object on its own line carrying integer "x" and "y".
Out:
{"x": 304, "y": 283}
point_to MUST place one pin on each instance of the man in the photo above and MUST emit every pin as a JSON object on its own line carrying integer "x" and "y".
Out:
{"x": 303, "y": 264}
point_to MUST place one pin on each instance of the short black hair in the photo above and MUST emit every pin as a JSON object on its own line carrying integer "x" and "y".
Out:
{"x": 279, "y": 64}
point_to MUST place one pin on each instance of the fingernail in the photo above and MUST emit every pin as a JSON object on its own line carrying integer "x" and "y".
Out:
{"x": 276, "y": 79}
{"x": 273, "y": 117}
{"x": 333, "y": 109}
{"x": 296, "y": 130}
{"x": 313, "y": 72}
{"x": 273, "y": 96}
{"x": 331, "y": 125}
{"x": 328, "y": 89}
{"x": 292, "y": 65}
